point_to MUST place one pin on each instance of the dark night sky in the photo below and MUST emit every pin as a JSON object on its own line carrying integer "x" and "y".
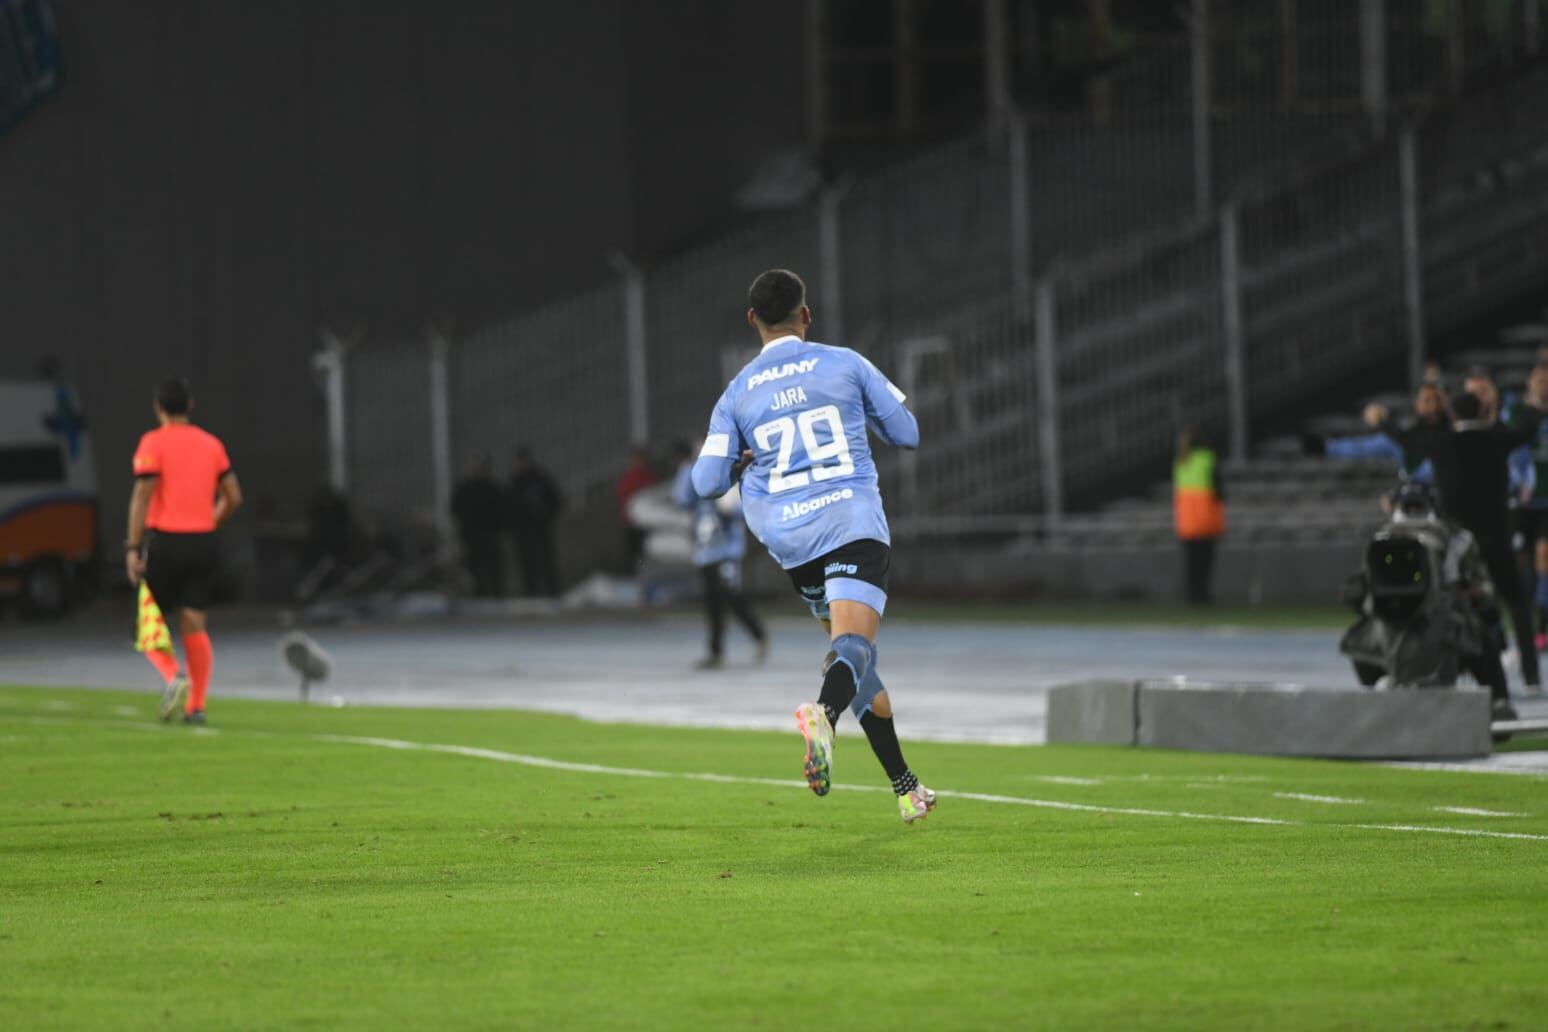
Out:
{"x": 219, "y": 179}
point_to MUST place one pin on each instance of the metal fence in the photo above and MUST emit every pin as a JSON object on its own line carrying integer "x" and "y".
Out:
{"x": 389, "y": 459}
{"x": 1038, "y": 377}
{"x": 555, "y": 381}
{"x": 1286, "y": 290}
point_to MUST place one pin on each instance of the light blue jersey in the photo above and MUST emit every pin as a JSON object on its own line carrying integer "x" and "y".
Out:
{"x": 804, "y": 409}
{"x": 717, "y": 536}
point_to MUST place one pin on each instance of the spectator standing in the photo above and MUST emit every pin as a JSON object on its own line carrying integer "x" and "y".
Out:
{"x": 1429, "y": 411}
{"x": 1533, "y": 515}
{"x": 331, "y": 532}
{"x": 638, "y": 476}
{"x": 1198, "y": 512}
{"x": 719, "y": 543}
{"x": 1472, "y": 471}
{"x": 477, "y": 508}
{"x": 533, "y": 504}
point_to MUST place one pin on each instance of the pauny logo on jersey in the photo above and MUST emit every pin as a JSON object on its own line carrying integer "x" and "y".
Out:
{"x": 773, "y": 373}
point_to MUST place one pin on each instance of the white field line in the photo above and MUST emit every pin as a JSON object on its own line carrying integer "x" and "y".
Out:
{"x": 734, "y": 779}
{"x": 1066, "y": 779}
{"x": 1331, "y": 800}
{"x": 1432, "y": 830}
{"x": 1046, "y": 804}
{"x": 1473, "y": 811}
{"x": 547, "y": 763}
{"x": 1501, "y": 765}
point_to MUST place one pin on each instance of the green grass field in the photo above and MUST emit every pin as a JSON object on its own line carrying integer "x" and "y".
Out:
{"x": 300, "y": 867}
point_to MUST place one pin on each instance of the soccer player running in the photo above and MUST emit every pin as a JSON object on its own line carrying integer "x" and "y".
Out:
{"x": 793, "y": 426}
{"x": 184, "y": 489}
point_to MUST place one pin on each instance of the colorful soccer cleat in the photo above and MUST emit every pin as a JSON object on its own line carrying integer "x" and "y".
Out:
{"x": 818, "y": 733}
{"x": 172, "y": 698}
{"x": 916, "y": 805}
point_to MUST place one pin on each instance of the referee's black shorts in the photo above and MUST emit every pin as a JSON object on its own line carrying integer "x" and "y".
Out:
{"x": 180, "y": 569}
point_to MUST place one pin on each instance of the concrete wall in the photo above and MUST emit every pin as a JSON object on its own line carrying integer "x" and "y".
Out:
{"x": 1244, "y": 573}
{"x": 220, "y": 178}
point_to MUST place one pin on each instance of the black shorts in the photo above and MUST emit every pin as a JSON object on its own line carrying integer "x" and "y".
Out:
{"x": 180, "y": 569}
{"x": 855, "y": 572}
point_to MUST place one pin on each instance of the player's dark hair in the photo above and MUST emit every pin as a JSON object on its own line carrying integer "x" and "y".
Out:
{"x": 173, "y": 396}
{"x": 1466, "y": 406}
{"x": 775, "y": 296}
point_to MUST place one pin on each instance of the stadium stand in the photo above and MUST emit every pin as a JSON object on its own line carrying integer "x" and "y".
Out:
{"x": 1043, "y": 387}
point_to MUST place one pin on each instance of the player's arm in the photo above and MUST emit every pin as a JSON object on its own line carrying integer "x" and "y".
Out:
{"x": 723, "y": 456}
{"x": 228, "y": 497}
{"x": 139, "y": 505}
{"x": 1522, "y": 429}
{"x": 885, "y": 411}
{"x": 147, "y": 468}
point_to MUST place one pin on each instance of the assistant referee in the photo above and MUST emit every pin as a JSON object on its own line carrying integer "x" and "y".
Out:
{"x": 184, "y": 489}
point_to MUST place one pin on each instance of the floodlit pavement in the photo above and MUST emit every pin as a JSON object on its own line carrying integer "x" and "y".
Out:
{"x": 949, "y": 681}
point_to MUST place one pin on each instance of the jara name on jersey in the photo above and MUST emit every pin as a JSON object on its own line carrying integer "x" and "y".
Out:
{"x": 769, "y": 375}
{"x": 787, "y": 398}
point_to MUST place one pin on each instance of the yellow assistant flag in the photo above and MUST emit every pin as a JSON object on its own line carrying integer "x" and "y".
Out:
{"x": 151, "y": 634}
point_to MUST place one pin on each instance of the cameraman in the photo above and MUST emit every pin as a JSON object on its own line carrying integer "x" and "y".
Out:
{"x": 1455, "y": 618}
{"x": 1471, "y": 461}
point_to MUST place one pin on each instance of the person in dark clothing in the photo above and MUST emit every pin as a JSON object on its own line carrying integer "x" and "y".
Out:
{"x": 1533, "y": 514}
{"x": 331, "y": 530}
{"x": 477, "y": 508}
{"x": 532, "y": 504}
{"x": 1472, "y": 473}
{"x": 719, "y": 543}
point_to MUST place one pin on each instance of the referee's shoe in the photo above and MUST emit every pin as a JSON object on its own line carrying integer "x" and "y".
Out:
{"x": 173, "y": 697}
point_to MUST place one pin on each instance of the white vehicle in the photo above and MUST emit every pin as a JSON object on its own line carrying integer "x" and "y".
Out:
{"x": 48, "y": 498}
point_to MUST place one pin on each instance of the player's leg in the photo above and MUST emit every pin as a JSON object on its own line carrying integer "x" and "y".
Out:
{"x": 914, "y": 799}
{"x": 715, "y": 615}
{"x": 854, "y": 594}
{"x": 873, "y": 706}
{"x": 1540, "y": 595}
{"x": 1510, "y": 589}
{"x": 730, "y": 573}
{"x": 852, "y": 629}
{"x": 857, "y": 598}
{"x": 193, "y": 625}
{"x": 548, "y": 561}
{"x": 812, "y": 718}
{"x": 165, "y": 571}
{"x": 201, "y": 661}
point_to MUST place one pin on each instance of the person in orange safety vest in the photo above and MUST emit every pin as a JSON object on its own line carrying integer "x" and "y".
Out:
{"x": 1198, "y": 511}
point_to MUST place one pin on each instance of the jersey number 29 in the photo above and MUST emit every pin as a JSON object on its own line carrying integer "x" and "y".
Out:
{"x": 781, "y": 434}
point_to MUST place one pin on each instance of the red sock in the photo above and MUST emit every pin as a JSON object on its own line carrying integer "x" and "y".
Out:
{"x": 164, "y": 662}
{"x": 201, "y": 658}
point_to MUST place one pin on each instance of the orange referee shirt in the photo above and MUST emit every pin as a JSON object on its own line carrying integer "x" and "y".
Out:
{"x": 187, "y": 463}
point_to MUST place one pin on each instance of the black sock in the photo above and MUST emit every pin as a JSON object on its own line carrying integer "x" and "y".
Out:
{"x": 838, "y": 691}
{"x": 883, "y": 736}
